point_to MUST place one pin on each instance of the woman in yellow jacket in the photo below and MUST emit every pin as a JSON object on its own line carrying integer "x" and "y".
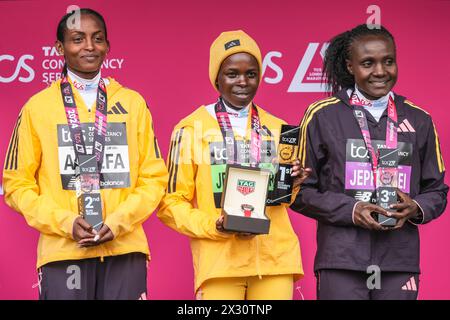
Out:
{"x": 75, "y": 259}
{"x": 230, "y": 265}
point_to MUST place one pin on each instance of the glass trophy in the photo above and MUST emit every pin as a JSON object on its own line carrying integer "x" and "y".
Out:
{"x": 88, "y": 191}
{"x": 387, "y": 183}
{"x": 287, "y": 153}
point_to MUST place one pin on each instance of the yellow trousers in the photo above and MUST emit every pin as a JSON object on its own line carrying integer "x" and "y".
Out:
{"x": 274, "y": 287}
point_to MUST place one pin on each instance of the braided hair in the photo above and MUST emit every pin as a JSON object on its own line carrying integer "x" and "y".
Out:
{"x": 62, "y": 27}
{"x": 335, "y": 73}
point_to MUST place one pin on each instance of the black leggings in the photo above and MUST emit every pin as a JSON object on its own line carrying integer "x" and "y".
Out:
{"x": 121, "y": 277}
{"x": 335, "y": 284}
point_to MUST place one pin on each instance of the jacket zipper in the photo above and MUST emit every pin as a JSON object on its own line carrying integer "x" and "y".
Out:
{"x": 258, "y": 269}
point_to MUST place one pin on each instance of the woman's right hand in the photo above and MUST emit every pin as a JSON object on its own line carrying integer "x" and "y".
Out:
{"x": 82, "y": 230}
{"x": 362, "y": 216}
{"x": 299, "y": 173}
{"x": 242, "y": 235}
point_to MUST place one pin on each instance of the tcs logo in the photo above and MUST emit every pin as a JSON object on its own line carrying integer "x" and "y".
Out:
{"x": 21, "y": 64}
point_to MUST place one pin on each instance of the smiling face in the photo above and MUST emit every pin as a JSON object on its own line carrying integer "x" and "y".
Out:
{"x": 373, "y": 64}
{"x": 238, "y": 79}
{"x": 84, "y": 49}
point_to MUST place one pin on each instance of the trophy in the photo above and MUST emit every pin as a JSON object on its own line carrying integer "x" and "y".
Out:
{"x": 244, "y": 199}
{"x": 88, "y": 190}
{"x": 387, "y": 183}
{"x": 287, "y": 153}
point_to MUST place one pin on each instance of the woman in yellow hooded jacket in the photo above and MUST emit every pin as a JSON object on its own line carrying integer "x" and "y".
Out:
{"x": 230, "y": 265}
{"x": 77, "y": 260}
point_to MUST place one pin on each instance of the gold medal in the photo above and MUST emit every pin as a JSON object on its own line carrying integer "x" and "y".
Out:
{"x": 286, "y": 153}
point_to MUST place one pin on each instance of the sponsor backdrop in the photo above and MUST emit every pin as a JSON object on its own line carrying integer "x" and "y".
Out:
{"x": 161, "y": 49}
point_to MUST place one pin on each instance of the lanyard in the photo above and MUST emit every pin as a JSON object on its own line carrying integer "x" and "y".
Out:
{"x": 75, "y": 125}
{"x": 391, "y": 130}
{"x": 228, "y": 136}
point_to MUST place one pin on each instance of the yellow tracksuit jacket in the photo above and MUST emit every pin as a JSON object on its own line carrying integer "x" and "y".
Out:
{"x": 191, "y": 206}
{"x": 38, "y": 172}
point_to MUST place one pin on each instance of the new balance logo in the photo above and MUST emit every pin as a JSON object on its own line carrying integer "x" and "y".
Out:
{"x": 363, "y": 196}
{"x": 405, "y": 126}
{"x": 410, "y": 285}
{"x": 117, "y": 109}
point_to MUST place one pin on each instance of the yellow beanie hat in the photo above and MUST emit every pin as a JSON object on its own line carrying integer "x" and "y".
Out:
{"x": 229, "y": 43}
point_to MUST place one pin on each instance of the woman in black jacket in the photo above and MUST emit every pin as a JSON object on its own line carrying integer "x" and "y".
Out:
{"x": 377, "y": 173}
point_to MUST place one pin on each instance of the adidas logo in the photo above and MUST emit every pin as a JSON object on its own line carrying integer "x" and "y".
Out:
{"x": 405, "y": 126}
{"x": 410, "y": 285}
{"x": 232, "y": 43}
{"x": 143, "y": 296}
{"x": 117, "y": 109}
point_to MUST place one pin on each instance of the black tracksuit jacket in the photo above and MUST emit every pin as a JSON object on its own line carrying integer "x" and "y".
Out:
{"x": 332, "y": 145}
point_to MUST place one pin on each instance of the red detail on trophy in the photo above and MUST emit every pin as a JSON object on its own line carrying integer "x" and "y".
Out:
{"x": 248, "y": 209}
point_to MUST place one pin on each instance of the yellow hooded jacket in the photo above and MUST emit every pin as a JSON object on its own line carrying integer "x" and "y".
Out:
{"x": 39, "y": 169}
{"x": 191, "y": 205}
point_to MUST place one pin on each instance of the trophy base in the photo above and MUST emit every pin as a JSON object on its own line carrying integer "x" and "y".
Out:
{"x": 245, "y": 224}
{"x": 386, "y": 221}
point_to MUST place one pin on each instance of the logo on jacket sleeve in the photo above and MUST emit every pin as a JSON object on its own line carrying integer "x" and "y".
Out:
{"x": 410, "y": 285}
{"x": 245, "y": 186}
{"x": 117, "y": 109}
{"x": 405, "y": 126}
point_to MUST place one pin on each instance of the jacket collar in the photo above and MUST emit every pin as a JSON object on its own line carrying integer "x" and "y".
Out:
{"x": 399, "y": 101}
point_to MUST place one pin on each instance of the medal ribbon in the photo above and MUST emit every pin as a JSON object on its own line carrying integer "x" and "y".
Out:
{"x": 228, "y": 136}
{"x": 391, "y": 130}
{"x": 74, "y": 123}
